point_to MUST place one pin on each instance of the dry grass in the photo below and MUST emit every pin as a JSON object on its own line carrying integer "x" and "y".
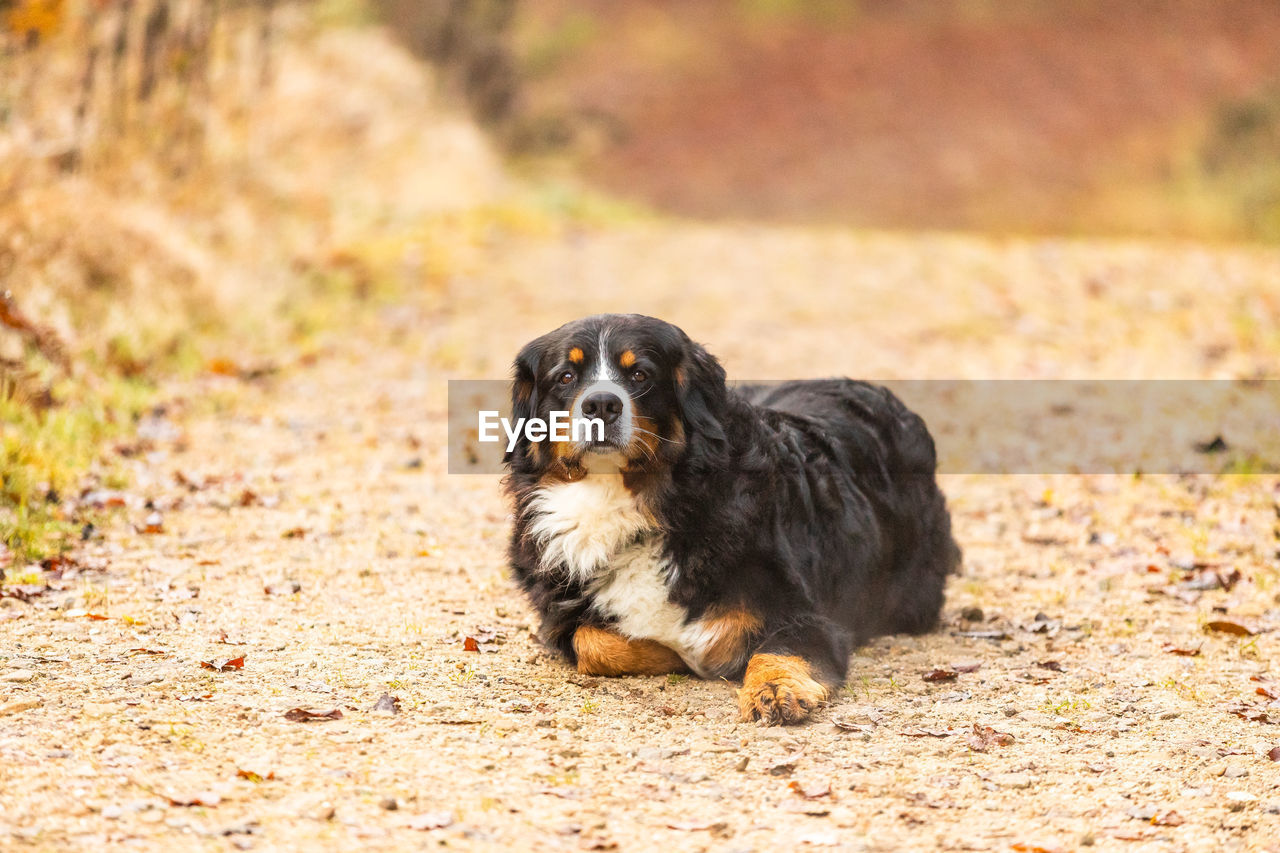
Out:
{"x": 212, "y": 224}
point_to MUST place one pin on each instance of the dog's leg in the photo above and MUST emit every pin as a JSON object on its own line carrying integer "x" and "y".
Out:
{"x": 793, "y": 672}
{"x": 602, "y": 652}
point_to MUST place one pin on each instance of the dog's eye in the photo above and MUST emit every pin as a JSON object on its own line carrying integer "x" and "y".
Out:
{"x": 567, "y": 377}
{"x": 638, "y": 376}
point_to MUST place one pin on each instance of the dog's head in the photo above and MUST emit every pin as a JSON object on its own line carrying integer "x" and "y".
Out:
{"x": 637, "y": 391}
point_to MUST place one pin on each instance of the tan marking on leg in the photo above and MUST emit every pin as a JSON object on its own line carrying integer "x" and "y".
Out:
{"x": 602, "y": 652}
{"x": 779, "y": 689}
{"x": 627, "y": 359}
{"x": 576, "y": 355}
{"x": 732, "y": 629}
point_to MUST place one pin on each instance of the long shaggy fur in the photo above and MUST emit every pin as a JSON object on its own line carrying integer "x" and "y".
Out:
{"x": 799, "y": 519}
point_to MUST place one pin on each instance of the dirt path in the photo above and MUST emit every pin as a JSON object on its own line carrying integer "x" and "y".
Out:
{"x": 306, "y": 524}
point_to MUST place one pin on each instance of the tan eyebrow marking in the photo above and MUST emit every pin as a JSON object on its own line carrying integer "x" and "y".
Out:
{"x": 576, "y": 355}
{"x": 627, "y": 359}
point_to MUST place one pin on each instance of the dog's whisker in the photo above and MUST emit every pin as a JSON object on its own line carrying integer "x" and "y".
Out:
{"x": 654, "y": 434}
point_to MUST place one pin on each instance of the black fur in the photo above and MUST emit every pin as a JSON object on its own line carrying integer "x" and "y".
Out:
{"x": 812, "y": 504}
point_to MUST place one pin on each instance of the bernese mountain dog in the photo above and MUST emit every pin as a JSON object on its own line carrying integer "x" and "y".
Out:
{"x": 754, "y": 533}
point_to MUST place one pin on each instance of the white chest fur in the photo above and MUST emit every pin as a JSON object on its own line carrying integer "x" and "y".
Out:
{"x": 585, "y": 523}
{"x": 595, "y": 529}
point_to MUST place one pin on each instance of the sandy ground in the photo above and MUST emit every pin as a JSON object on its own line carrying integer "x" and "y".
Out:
{"x": 305, "y": 524}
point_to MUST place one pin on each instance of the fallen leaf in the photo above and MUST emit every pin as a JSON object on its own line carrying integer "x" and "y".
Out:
{"x": 284, "y": 587}
{"x": 1177, "y": 650}
{"x": 102, "y": 499}
{"x": 388, "y": 703}
{"x": 1051, "y": 665}
{"x": 223, "y": 664}
{"x": 302, "y": 715}
{"x": 96, "y": 617}
{"x": 811, "y": 790}
{"x": 1253, "y": 715}
{"x": 1034, "y": 848}
{"x": 431, "y": 820}
{"x": 984, "y": 737}
{"x": 783, "y": 767}
{"x": 294, "y": 533}
{"x": 154, "y": 523}
{"x": 24, "y": 592}
{"x": 1269, "y": 693}
{"x": 941, "y": 675}
{"x": 485, "y": 639}
{"x": 222, "y": 367}
{"x": 1215, "y": 445}
{"x": 1274, "y": 754}
{"x": 255, "y": 776}
{"x": 966, "y": 667}
{"x": 1230, "y": 579}
{"x": 850, "y": 726}
{"x": 1226, "y": 627}
{"x": 927, "y": 733}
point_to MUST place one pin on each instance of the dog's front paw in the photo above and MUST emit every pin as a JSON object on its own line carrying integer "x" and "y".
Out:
{"x": 779, "y": 690}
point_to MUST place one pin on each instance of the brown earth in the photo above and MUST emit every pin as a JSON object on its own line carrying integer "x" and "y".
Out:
{"x": 304, "y": 523}
{"x": 1026, "y": 118}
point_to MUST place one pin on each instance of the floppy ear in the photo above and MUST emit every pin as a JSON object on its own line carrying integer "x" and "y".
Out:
{"x": 524, "y": 391}
{"x": 700, "y": 392}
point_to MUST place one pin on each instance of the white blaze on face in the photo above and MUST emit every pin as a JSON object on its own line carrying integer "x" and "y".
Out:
{"x": 606, "y": 381}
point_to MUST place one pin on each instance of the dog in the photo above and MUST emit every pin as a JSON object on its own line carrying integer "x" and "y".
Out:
{"x": 757, "y": 534}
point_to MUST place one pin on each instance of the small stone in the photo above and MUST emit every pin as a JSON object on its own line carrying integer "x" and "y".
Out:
{"x": 1009, "y": 711}
{"x": 1018, "y": 781}
{"x": 1235, "y": 771}
{"x": 112, "y": 812}
{"x": 972, "y": 614}
{"x": 389, "y": 803}
{"x": 18, "y": 676}
{"x": 1240, "y": 797}
{"x": 20, "y": 705}
{"x": 431, "y": 820}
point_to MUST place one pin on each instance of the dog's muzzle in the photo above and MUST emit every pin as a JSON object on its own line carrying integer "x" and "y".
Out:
{"x": 610, "y": 403}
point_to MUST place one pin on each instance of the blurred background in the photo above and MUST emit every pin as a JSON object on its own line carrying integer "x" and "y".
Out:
{"x": 211, "y": 186}
{"x": 1064, "y": 116}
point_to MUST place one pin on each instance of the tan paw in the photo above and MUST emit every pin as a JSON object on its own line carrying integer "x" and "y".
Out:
{"x": 779, "y": 690}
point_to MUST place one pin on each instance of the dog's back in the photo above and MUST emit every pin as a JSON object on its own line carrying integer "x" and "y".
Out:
{"x": 887, "y": 451}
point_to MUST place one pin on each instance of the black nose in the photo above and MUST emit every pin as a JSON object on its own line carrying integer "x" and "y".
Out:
{"x": 606, "y": 406}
